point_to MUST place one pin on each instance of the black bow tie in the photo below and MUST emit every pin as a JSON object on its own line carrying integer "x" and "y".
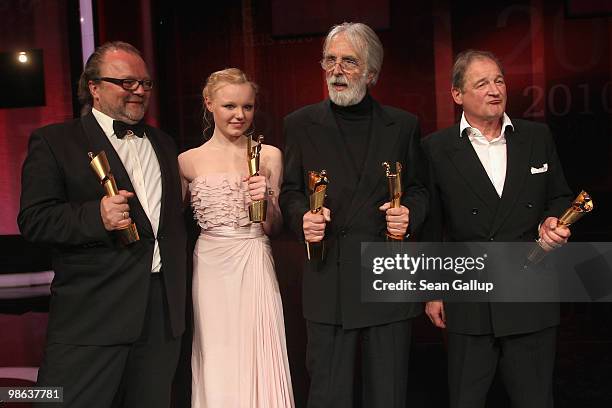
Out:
{"x": 121, "y": 129}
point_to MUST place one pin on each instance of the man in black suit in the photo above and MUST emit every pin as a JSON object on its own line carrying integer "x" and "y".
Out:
{"x": 117, "y": 311}
{"x": 350, "y": 135}
{"x": 495, "y": 179}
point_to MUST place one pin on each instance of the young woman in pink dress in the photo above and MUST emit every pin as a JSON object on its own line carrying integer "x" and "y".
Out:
{"x": 239, "y": 356}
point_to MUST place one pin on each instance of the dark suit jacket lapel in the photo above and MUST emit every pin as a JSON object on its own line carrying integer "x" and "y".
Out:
{"x": 383, "y": 141}
{"x": 465, "y": 160}
{"x": 327, "y": 144}
{"x": 164, "y": 168}
{"x": 98, "y": 142}
{"x": 518, "y": 151}
{"x": 327, "y": 141}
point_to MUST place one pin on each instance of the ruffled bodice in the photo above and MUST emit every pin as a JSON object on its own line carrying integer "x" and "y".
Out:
{"x": 220, "y": 200}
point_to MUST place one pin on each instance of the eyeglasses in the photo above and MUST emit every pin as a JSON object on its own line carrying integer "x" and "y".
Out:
{"x": 346, "y": 64}
{"x": 128, "y": 84}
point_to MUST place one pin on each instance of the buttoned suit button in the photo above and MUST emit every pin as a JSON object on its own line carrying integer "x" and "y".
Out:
{"x": 474, "y": 211}
{"x": 343, "y": 233}
{"x": 491, "y": 239}
{"x": 529, "y": 205}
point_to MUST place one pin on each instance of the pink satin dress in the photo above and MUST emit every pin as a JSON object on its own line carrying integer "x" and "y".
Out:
{"x": 239, "y": 356}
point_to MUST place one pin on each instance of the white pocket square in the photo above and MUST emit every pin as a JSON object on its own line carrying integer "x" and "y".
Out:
{"x": 543, "y": 169}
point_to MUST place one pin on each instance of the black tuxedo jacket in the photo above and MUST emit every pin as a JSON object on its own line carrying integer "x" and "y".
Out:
{"x": 465, "y": 207}
{"x": 332, "y": 288}
{"x": 100, "y": 290}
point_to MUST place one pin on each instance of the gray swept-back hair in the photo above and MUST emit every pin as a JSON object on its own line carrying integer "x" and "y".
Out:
{"x": 463, "y": 61}
{"x": 364, "y": 40}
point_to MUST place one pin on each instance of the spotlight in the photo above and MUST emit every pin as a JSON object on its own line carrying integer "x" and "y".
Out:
{"x": 22, "y": 81}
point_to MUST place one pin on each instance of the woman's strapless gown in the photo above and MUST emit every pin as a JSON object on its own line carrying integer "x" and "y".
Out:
{"x": 239, "y": 356}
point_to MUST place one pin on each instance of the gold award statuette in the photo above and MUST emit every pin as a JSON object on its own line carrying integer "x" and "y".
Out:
{"x": 257, "y": 209}
{"x": 581, "y": 205}
{"x": 395, "y": 192}
{"x": 99, "y": 164}
{"x": 317, "y": 187}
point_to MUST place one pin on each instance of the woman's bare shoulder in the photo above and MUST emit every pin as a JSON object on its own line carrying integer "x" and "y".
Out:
{"x": 271, "y": 152}
{"x": 188, "y": 159}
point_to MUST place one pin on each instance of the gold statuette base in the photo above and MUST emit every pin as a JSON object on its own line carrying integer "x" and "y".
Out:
{"x": 257, "y": 211}
{"x": 315, "y": 250}
{"x": 536, "y": 254}
{"x": 394, "y": 238}
{"x": 569, "y": 217}
{"x": 317, "y": 199}
{"x": 128, "y": 234}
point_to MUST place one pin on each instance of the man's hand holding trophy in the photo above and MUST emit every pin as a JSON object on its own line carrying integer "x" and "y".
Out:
{"x": 551, "y": 235}
{"x": 396, "y": 215}
{"x": 127, "y": 232}
{"x": 314, "y": 221}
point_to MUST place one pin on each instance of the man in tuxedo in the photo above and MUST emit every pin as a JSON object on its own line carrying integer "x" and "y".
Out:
{"x": 483, "y": 188}
{"x": 117, "y": 310}
{"x": 350, "y": 135}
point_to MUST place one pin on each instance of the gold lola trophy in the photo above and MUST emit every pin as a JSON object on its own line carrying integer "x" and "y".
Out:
{"x": 395, "y": 192}
{"x": 317, "y": 187}
{"x": 257, "y": 209}
{"x": 99, "y": 164}
{"x": 581, "y": 205}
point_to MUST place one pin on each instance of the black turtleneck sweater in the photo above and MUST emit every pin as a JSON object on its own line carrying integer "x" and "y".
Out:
{"x": 355, "y": 124}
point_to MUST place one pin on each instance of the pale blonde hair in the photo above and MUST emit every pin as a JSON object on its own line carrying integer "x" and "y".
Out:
{"x": 215, "y": 81}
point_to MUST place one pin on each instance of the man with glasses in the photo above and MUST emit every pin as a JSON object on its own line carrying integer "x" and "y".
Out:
{"x": 117, "y": 308}
{"x": 350, "y": 135}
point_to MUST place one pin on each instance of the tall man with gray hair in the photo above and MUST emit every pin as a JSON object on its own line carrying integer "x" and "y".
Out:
{"x": 350, "y": 135}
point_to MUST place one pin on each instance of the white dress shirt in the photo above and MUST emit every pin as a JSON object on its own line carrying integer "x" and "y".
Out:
{"x": 140, "y": 162}
{"x": 492, "y": 154}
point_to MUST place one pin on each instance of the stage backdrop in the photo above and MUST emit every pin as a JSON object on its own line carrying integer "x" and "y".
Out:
{"x": 26, "y": 25}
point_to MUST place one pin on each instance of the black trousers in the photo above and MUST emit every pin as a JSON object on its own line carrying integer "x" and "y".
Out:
{"x": 331, "y": 362}
{"x": 125, "y": 375}
{"x": 525, "y": 361}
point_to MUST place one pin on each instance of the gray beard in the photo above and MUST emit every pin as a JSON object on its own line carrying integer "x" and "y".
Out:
{"x": 352, "y": 95}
